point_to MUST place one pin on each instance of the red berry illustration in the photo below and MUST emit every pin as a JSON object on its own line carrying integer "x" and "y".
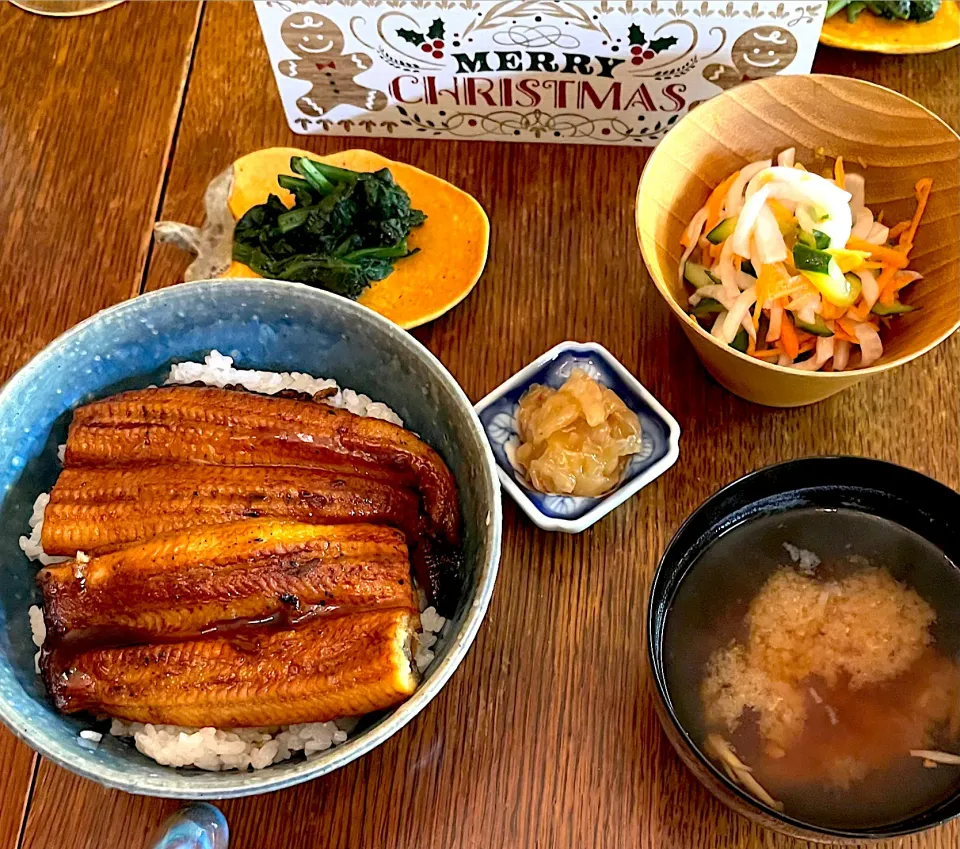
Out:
{"x": 636, "y": 60}
{"x": 636, "y": 50}
{"x": 437, "y": 54}
{"x": 648, "y": 54}
{"x": 438, "y": 44}
{"x": 426, "y": 48}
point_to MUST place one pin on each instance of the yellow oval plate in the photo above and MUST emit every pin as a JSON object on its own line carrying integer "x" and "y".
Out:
{"x": 453, "y": 241}
{"x": 880, "y": 35}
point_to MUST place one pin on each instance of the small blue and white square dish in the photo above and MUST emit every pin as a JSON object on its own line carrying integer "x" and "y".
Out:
{"x": 660, "y": 445}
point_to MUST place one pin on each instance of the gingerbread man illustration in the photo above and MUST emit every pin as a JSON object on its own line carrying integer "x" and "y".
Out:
{"x": 760, "y": 52}
{"x": 318, "y": 43}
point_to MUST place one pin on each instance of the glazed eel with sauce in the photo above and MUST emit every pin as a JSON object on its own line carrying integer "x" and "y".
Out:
{"x": 243, "y": 559}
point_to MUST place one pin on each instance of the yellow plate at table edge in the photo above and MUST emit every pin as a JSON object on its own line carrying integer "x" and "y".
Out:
{"x": 453, "y": 217}
{"x": 879, "y": 35}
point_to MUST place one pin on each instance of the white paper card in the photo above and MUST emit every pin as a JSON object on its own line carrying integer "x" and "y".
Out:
{"x": 583, "y": 71}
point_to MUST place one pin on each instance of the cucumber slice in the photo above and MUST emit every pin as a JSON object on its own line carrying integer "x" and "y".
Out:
{"x": 817, "y": 240}
{"x": 818, "y": 328}
{"x": 697, "y": 276}
{"x": 708, "y": 306}
{"x": 855, "y": 284}
{"x": 740, "y": 341}
{"x": 747, "y": 268}
{"x": 807, "y": 258}
{"x": 822, "y": 270}
{"x": 892, "y": 309}
{"x": 722, "y": 231}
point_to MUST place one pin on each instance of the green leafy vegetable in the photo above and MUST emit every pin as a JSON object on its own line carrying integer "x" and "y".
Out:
{"x": 922, "y": 11}
{"x": 345, "y": 230}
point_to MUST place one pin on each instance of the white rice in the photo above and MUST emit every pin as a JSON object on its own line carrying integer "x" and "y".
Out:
{"x": 806, "y": 561}
{"x": 218, "y": 370}
{"x": 233, "y": 748}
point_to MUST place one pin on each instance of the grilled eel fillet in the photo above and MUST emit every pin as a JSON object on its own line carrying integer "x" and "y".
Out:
{"x": 183, "y": 424}
{"x": 225, "y": 578}
{"x": 99, "y": 509}
{"x": 324, "y": 670}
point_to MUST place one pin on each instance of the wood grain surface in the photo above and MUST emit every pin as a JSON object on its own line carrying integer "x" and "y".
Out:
{"x": 546, "y": 735}
{"x": 87, "y": 114}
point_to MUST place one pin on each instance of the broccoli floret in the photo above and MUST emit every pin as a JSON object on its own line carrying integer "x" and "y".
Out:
{"x": 922, "y": 11}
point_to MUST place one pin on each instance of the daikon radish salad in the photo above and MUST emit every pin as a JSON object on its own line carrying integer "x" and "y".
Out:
{"x": 792, "y": 268}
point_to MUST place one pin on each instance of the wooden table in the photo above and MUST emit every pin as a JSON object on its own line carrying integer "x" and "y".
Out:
{"x": 546, "y": 735}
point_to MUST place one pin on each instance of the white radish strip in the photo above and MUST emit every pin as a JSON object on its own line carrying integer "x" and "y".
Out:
{"x": 718, "y": 293}
{"x": 776, "y": 323}
{"x": 787, "y": 157}
{"x": 870, "y": 288}
{"x": 856, "y": 186}
{"x": 871, "y": 348}
{"x": 878, "y": 234}
{"x": 905, "y": 278}
{"x": 745, "y": 281}
{"x": 727, "y": 270}
{"x": 747, "y": 324}
{"x": 717, "y": 330}
{"x": 822, "y": 353}
{"x": 841, "y": 355}
{"x": 807, "y": 308}
{"x": 731, "y": 324}
{"x": 769, "y": 239}
{"x": 785, "y": 360}
{"x": 747, "y": 221}
{"x": 862, "y": 224}
{"x": 692, "y": 236}
{"x": 733, "y": 203}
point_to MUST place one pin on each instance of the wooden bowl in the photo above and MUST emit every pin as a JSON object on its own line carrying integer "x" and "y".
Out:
{"x": 890, "y": 138}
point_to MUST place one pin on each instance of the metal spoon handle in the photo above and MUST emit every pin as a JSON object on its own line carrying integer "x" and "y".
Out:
{"x": 198, "y": 826}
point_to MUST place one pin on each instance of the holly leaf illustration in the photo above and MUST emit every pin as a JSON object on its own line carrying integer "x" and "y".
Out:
{"x": 436, "y": 29}
{"x": 636, "y": 35}
{"x": 411, "y": 36}
{"x": 658, "y": 45}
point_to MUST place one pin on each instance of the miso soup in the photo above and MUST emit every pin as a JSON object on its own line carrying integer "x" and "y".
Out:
{"x": 809, "y": 652}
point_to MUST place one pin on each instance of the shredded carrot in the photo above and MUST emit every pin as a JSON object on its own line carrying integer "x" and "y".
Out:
{"x": 922, "y": 191}
{"x": 888, "y": 287}
{"x": 902, "y": 282}
{"x": 831, "y": 311}
{"x": 715, "y": 201}
{"x": 809, "y": 345}
{"x": 737, "y": 261}
{"x": 888, "y": 256}
{"x": 859, "y": 312}
{"x": 850, "y": 328}
{"x": 788, "y": 338}
{"x": 842, "y": 335}
{"x": 838, "y": 175}
{"x": 880, "y": 217}
{"x": 898, "y": 230}
{"x": 751, "y": 346}
{"x": 767, "y": 354}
